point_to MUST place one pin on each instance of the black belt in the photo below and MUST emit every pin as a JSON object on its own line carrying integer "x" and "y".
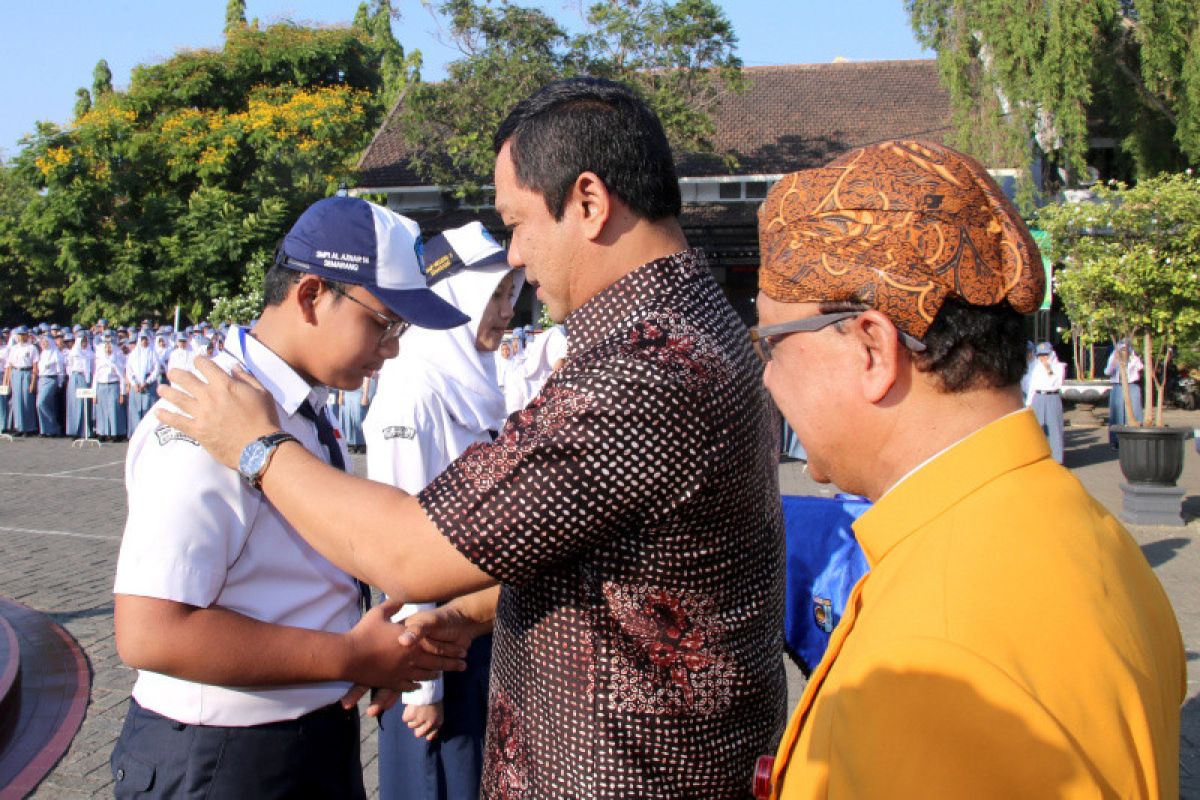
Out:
{"x": 23, "y": 369}
{"x": 1039, "y": 391}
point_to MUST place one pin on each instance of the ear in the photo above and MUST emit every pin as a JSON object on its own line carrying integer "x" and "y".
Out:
{"x": 879, "y": 349}
{"x": 305, "y": 294}
{"x": 591, "y": 203}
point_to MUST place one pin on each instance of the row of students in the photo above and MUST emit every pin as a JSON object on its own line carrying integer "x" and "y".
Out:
{"x": 43, "y": 369}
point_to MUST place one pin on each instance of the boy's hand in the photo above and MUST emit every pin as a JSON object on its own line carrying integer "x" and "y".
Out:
{"x": 382, "y": 654}
{"x": 425, "y": 721}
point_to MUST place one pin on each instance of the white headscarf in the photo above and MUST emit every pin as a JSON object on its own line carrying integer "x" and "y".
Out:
{"x": 88, "y": 355}
{"x": 142, "y": 360}
{"x": 463, "y": 377}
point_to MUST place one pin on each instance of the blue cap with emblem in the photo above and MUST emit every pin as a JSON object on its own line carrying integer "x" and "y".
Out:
{"x": 349, "y": 240}
{"x": 468, "y": 247}
{"x": 1044, "y": 348}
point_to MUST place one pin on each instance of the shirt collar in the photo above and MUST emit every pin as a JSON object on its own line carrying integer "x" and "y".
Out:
{"x": 1010, "y": 442}
{"x": 283, "y": 382}
{"x": 613, "y": 308}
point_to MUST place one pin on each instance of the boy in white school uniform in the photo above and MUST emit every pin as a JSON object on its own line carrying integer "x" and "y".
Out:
{"x": 247, "y": 641}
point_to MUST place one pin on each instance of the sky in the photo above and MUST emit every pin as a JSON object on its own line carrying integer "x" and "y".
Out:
{"x": 49, "y": 48}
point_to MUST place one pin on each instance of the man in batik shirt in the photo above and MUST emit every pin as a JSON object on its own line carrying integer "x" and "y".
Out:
{"x": 630, "y": 513}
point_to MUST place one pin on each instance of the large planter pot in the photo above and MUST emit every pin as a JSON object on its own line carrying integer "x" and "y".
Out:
{"x": 1151, "y": 455}
{"x": 1152, "y": 460}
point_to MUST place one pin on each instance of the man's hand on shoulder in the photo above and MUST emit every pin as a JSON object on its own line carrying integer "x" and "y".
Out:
{"x": 223, "y": 412}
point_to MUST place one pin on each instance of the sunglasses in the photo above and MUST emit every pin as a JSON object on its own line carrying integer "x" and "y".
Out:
{"x": 765, "y": 338}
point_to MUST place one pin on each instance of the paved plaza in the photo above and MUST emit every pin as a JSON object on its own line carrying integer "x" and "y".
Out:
{"x": 62, "y": 511}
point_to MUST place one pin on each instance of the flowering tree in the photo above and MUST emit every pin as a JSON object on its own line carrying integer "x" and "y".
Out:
{"x": 1131, "y": 269}
{"x": 175, "y": 190}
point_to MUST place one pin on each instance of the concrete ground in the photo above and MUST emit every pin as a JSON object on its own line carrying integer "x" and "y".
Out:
{"x": 62, "y": 511}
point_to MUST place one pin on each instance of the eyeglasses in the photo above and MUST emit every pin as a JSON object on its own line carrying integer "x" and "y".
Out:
{"x": 392, "y": 328}
{"x": 763, "y": 338}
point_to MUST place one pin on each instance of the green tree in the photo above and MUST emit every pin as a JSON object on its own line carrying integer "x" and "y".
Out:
{"x": 235, "y": 16}
{"x": 396, "y": 70}
{"x": 176, "y": 191}
{"x": 1044, "y": 76}
{"x": 1131, "y": 269}
{"x": 678, "y": 55}
{"x": 83, "y": 102}
{"x": 101, "y": 80}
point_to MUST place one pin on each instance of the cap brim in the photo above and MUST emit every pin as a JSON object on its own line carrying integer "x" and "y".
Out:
{"x": 497, "y": 259}
{"x": 421, "y": 307}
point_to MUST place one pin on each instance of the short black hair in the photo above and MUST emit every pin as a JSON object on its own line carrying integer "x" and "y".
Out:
{"x": 595, "y": 125}
{"x": 279, "y": 280}
{"x": 967, "y": 347}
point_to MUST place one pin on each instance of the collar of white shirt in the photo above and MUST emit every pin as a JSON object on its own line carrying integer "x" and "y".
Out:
{"x": 284, "y": 384}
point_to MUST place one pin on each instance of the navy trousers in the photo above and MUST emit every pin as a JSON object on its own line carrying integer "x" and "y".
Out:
{"x": 315, "y": 756}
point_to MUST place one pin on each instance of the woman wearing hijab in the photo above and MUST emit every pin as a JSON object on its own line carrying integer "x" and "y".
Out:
{"x": 141, "y": 376}
{"x": 19, "y": 374}
{"x": 439, "y": 396}
{"x": 516, "y": 387}
{"x": 546, "y": 353}
{"x": 80, "y": 362}
{"x": 108, "y": 379}
{"x": 50, "y": 378}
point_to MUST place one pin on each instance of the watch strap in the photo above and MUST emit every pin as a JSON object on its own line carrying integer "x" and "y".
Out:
{"x": 271, "y": 441}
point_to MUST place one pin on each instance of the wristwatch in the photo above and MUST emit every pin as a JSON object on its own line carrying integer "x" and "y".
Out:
{"x": 256, "y": 457}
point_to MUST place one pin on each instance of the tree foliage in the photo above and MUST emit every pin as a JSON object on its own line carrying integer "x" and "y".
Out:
{"x": 176, "y": 191}
{"x": 235, "y": 16}
{"x": 101, "y": 79}
{"x": 1131, "y": 264}
{"x": 1050, "y": 74}
{"x": 678, "y": 55}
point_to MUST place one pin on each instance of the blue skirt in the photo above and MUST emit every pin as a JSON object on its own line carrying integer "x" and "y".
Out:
{"x": 49, "y": 412}
{"x": 22, "y": 404}
{"x": 110, "y": 414}
{"x": 5, "y": 424}
{"x": 350, "y": 417}
{"x": 140, "y": 404}
{"x": 75, "y": 407}
{"x": 1116, "y": 407}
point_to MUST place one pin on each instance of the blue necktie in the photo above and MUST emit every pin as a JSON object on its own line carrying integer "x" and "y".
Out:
{"x": 328, "y": 440}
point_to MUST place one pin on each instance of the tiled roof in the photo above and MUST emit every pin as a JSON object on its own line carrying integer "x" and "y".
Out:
{"x": 790, "y": 117}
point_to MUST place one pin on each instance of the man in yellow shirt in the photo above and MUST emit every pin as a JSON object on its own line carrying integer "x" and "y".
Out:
{"x": 1010, "y": 639}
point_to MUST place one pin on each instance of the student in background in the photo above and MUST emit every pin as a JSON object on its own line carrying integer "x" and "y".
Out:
{"x": 438, "y": 397}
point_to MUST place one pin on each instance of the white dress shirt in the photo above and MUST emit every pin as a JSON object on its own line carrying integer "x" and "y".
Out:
{"x": 198, "y": 534}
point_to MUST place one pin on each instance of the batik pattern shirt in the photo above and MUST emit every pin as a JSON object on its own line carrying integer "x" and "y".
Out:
{"x": 631, "y": 513}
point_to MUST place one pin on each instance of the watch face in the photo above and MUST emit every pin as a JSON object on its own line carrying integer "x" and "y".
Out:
{"x": 252, "y": 460}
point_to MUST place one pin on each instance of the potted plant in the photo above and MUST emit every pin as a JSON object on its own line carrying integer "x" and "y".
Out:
{"x": 1131, "y": 273}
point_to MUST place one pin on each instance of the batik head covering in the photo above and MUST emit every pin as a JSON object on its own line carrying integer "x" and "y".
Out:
{"x": 899, "y": 226}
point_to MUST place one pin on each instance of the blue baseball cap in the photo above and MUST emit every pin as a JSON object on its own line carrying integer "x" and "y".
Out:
{"x": 1044, "y": 349}
{"x": 348, "y": 240}
{"x": 21, "y": 329}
